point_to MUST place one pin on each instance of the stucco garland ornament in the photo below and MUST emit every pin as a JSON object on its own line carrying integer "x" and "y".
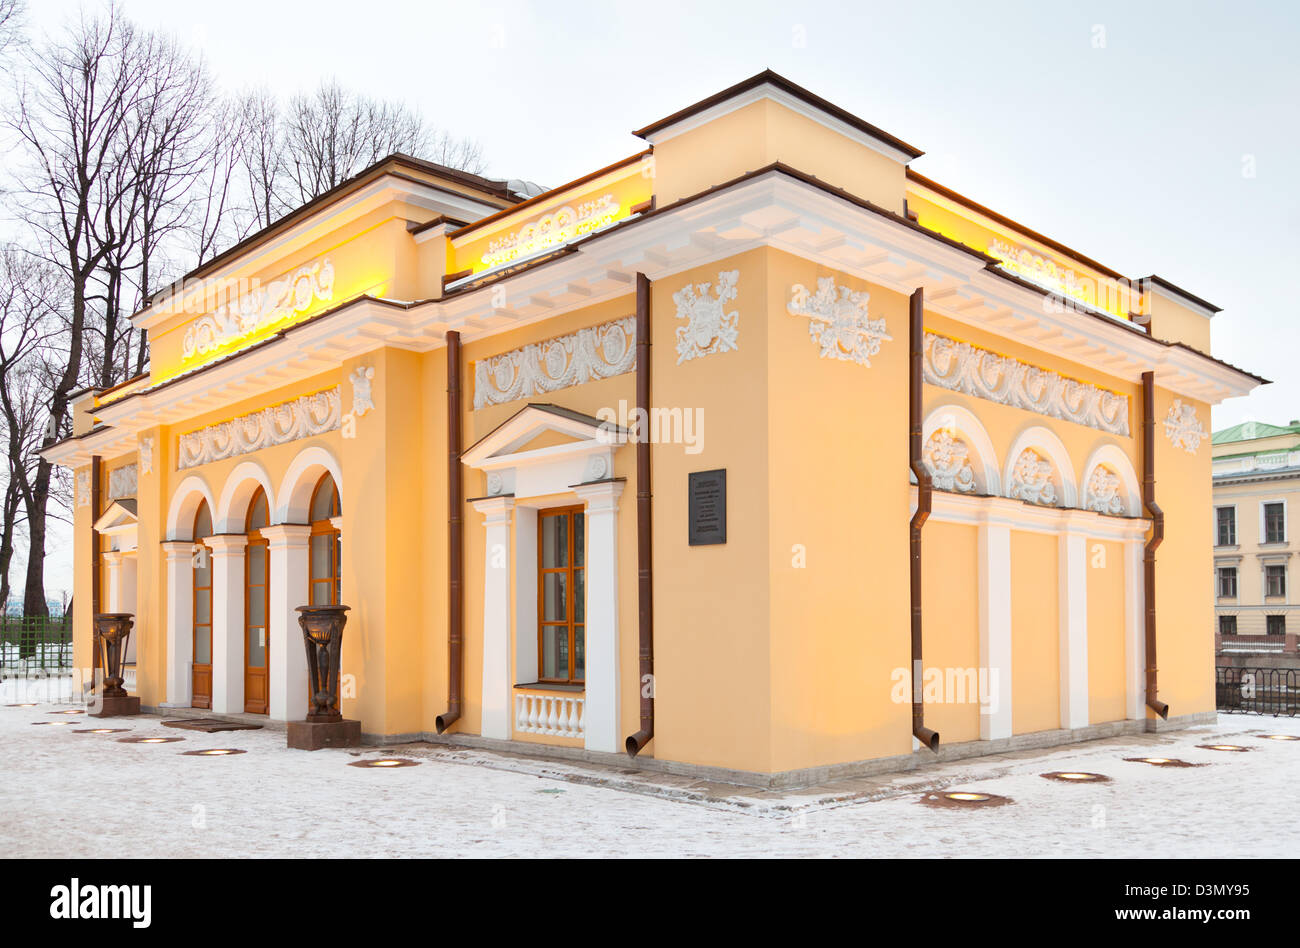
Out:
{"x": 83, "y": 488}
{"x": 303, "y": 417}
{"x": 362, "y": 378}
{"x": 709, "y": 327}
{"x": 123, "y": 481}
{"x": 595, "y": 352}
{"x": 948, "y": 461}
{"x": 290, "y": 295}
{"x": 1103, "y": 492}
{"x": 1031, "y": 479}
{"x": 1182, "y": 427}
{"x": 838, "y": 321}
{"x": 961, "y": 367}
{"x": 146, "y": 455}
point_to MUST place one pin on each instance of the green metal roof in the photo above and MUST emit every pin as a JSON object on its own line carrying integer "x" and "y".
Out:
{"x": 1252, "y": 431}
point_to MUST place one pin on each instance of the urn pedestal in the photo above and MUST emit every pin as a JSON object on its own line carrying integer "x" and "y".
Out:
{"x": 322, "y": 632}
{"x": 112, "y": 632}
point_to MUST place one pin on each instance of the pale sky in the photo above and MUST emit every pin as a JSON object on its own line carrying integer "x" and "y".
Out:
{"x": 1160, "y": 137}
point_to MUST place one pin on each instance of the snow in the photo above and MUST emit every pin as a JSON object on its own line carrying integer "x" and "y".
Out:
{"x": 272, "y": 801}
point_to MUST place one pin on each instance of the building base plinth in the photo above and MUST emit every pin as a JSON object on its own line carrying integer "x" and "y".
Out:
{"x": 314, "y": 735}
{"x": 111, "y": 706}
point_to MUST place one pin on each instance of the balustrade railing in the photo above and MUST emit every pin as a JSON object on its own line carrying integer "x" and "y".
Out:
{"x": 556, "y": 714}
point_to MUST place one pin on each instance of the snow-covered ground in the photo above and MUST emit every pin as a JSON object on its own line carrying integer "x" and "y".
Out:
{"x": 271, "y": 801}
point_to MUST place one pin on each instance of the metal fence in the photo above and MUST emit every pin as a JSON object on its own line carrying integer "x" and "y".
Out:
{"x": 35, "y": 643}
{"x": 1274, "y": 691}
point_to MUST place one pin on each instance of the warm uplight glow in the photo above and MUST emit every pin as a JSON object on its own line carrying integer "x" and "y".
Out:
{"x": 214, "y": 753}
{"x": 386, "y": 763}
{"x": 1077, "y": 776}
{"x": 1155, "y": 760}
{"x": 969, "y": 797}
{"x": 153, "y": 740}
{"x": 1280, "y": 737}
{"x": 103, "y": 730}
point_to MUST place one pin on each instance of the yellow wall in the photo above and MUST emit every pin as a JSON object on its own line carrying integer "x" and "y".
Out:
{"x": 1035, "y": 633}
{"x": 1106, "y": 627}
{"x": 950, "y": 587}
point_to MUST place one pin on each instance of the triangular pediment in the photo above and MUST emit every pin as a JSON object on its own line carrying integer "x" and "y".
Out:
{"x": 542, "y": 430}
{"x": 120, "y": 517}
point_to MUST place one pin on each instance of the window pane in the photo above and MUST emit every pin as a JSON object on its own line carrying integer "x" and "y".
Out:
{"x": 257, "y": 513}
{"x": 579, "y": 540}
{"x": 203, "y": 574}
{"x": 256, "y": 647}
{"x": 256, "y": 605}
{"x": 555, "y": 541}
{"x": 203, "y": 521}
{"x": 555, "y": 651}
{"x": 321, "y": 559}
{"x": 202, "y": 645}
{"x": 256, "y": 564}
{"x": 554, "y": 603}
{"x": 579, "y": 655}
{"x": 322, "y": 507}
{"x": 203, "y": 607}
{"x": 579, "y": 596}
{"x": 321, "y": 594}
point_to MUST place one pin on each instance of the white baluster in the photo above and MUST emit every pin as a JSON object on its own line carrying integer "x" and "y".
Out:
{"x": 532, "y": 714}
{"x": 552, "y": 723}
{"x": 582, "y": 718}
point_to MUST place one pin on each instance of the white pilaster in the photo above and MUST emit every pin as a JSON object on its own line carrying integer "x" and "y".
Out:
{"x": 122, "y": 594}
{"x": 995, "y": 629}
{"x": 289, "y": 547}
{"x": 227, "y": 622}
{"x": 602, "y": 654}
{"x": 1072, "y": 607}
{"x": 179, "y": 556}
{"x": 525, "y": 594}
{"x": 497, "y": 686}
{"x": 1135, "y": 646}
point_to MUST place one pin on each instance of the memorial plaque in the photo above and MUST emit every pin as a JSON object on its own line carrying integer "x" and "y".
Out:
{"x": 707, "y": 507}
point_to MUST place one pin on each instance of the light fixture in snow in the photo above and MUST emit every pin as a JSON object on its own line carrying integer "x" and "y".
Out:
{"x": 214, "y": 752}
{"x": 1280, "y": 737}
{"x": 54, "y": 723}
{"x": 1235, "y": 748}
{"x": 384, "y": 762}
{"x": 103, "y": 730}
{"x": 1077, "y": 776}
{"x": 1161, "y": 761}
{"x": 71, "y": 711}
{"x": 30, "y": 704}
{"x": 149, "y": 740}
{"x": 963, "y": 798}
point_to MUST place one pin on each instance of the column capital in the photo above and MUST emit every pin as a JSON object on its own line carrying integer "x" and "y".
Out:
{"x": 112, "y": 557}
{"x": 287, "y": 535}
{"x": 496, "y": 510}
{"x": 226, "y": 544}
{"x": 178, "y": 549}
{"x": 601, "y": 496}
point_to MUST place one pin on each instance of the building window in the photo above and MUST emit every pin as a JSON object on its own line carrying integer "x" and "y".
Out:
{"x": 326, "y": 545}
{"x": 1228, "y": 625}
{"x": 201, "y": 670}
{"x": 1274, "y": 580}
{"x": 256, "y": 607}
{"x": 1276, "y": 625}
{"x": 1227, "y": 523}
{"x": 561, "y": 595}
{"x": 1274, "y": 523}
{"x": 1227, "y": 582}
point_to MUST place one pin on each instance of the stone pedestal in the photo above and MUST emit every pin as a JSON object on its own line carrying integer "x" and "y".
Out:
{"x": 314, "y": 735}
{"x": 114, "y": 706}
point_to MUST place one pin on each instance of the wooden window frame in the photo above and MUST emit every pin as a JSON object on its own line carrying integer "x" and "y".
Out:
{"x": 1269, "y": 574}
{"x": 1228, "y": 574}
{"x": 1230, "y": 523}
{"x": 570, "y": 587}
{"x": 1270, "y": 620}
{"x": 1225, "y": 621}
{"x": 326, "y": 528}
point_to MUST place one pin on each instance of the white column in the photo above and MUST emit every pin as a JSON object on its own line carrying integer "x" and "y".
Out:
{"x": 1135, "y": 645}
{"x": 289, "y": 547}
{"x": 602, "y": 654}
{"x": 227, "y": 622}
{"x": 1072, "y": 609}
{"x": 179, "y": 556}
{"x": 121, "y": 592}
{"x": 525, "y": 594}
{"x": 995, "y": 629}
{"x": 496, "y": 700}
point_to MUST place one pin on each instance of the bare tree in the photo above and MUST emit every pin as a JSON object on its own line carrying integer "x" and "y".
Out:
{"x": 11, "y": 18}
{"x": 463, "y": 153}
{"x": 261, "y": 154}
{"x": 71, "y": 122}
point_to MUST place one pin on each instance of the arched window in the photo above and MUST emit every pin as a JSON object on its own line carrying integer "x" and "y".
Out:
{"x": 326, "y": 547}
{"x": 201, "y": 676}
{"x": 256, "y": 606}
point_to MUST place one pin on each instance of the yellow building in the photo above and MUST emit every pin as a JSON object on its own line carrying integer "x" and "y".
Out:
{"x": 720, "y": 582}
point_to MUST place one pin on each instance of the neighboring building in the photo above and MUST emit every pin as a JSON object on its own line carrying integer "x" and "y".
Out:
{"x": 293, "y": 445}
{"x": 1256, "y": 495}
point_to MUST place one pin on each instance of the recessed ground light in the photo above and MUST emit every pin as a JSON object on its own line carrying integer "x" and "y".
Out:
{"x": 1076, "y": 776}
{"x": 54, "y": 723}
{"x": 72, "y": 711}
{"x": 1222, "y": 747}
{"x": 1279, "y": 737}
{"x": 1161, "y": 761}
{"x": 213, "y": 752}
{"x": 30, "y": 704}
{"x": 149, "y": 740}
{"x": 964, "y": 799}
{"x": 384, "y": 762}
{"x": 103, "y": 730}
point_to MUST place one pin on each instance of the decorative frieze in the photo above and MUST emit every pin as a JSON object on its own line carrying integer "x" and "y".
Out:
{"x": 961, "y": 367}
{"x": 596, "y": 352}
{"x": 122, "y": 481}
{"x": 1039, "y": 269}
{"x": 1102, "y": 492}
{"x": 948, "y": 460}
{"x": 838, "y": 321}
{"x": 1182, "y": 427}
{"x": 282, "y": 298}
{"x": 1032, "y": 479}
{"x": 362, "y": 378}
{"x": 146, "y": 455}
{"x": 709, "y": 327}
{"x": 288, "y": 421}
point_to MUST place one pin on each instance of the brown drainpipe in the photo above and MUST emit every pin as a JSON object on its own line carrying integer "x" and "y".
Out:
{"x": 645, "y": 578}
{"x": 95, "y": 591}
{"x": 924, "y": 489}
{"x": 1157, "y": 536}
{"x": 455, "y": 542}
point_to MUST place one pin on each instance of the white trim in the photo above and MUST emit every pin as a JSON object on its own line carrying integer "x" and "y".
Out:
{"x": 241, "y": 484}
{"x": 973, "y": 510}
{"x": 1134, "y": 631}
{"x": 183, "y": 503}
{"x": 1072, "y": 610}
{"x": 994, "y": 541}
{"x": 179, "y": 557}
{"x": 1148, "y": 285}
{"x": 289, "y": 568}
{"x": 296, "y": 486}
{"x": 774, "y": 93}
{"x": 525, "y": 594}
{"x": 1236, "y": 527}
{"x": 1114, "y": 457}
{"x": 602, "y": 725}
{"x": 497, "y": 702}
{"x": 1046, "y": 442}
{"x": 971, "y": 430}
{"x": 228, "y": 626}
{"x": 1286, "y": 522}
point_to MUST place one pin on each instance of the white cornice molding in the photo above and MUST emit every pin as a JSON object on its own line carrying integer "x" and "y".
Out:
{"x": 774, "y": 93}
